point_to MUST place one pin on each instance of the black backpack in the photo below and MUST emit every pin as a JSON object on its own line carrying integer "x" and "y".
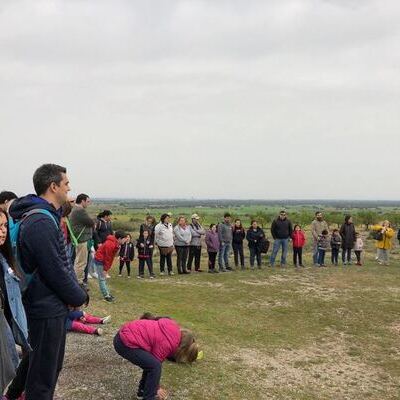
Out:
{"x": 264, "y": 245}
{"x": 377, "y": 235}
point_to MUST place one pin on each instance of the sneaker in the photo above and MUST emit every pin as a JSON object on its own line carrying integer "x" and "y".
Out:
{"x": 108, "y": 276}
{"x": 171, "y": 273}
{"x": 215, "y": 271}
{"x": 90, "y": 276}
{"x": 152, "y": 276}
{"x": 106, "y": 320}
{"x": 223, "y": 270}
{"x": 199, "y": 270}
{"x": 210, "y": 271}
{"x": 129, "y": 277}
{"x": 109, "y": 299}
{"x": 140, "y": 277}
{"x": 119, "y": 274}
{"x": 229, "y": 268}
{"x": 162, "y": 273}
{"x": 95, "y": 275}
{"x": 99, "y": 332}
{"x": 185, "y": 272}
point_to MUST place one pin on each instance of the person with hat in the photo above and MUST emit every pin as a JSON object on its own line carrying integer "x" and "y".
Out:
{"x": 197, "y": 232}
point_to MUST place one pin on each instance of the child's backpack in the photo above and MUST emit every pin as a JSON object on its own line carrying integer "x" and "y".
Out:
{"x": 264, "y": 246}
{"x": 14, "y": 227}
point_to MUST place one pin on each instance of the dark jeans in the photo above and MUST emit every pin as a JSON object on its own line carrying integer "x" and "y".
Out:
{"x": 151, "y": 367}
{"x": 47, "y": 337}
{"x": 346, "y": 255}
{"x": 238, "y": 254}
{"x": 17, "y": 386}
{"x": 335, "y": 256}
{"x": 255, "y": 253}
{"x": 358, "y": 255}
{"x": 321, "y": 256}
{"x": 297, "y": 256}
{"x": 194, "y": 253}
{"x": 181, "y": 258}
{"x": 165, "y": 258}
{"x": 142, "y": 262}
{"x": 212, "y": 256}
{"x": 128, "y": 267}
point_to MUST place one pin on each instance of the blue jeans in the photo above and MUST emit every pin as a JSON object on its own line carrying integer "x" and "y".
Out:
{"x": 223, "y": 255}
{"x": 98, "y": 267}
{"x": 321, "y": 256}
{"x": 278, "y": 243}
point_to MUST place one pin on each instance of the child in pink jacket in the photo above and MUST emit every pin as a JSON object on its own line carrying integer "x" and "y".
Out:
{"x": 147, "y": 342}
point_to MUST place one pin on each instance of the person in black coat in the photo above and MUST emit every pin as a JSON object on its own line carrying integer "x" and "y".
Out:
{"x": 126, "y": 256}
{"x": 103, "y": 228}
{"x": 348, "y": 234}
{"x": 238, "y": 235}
{"x": 254, "y": 236}
{"x": 281, "y": 230}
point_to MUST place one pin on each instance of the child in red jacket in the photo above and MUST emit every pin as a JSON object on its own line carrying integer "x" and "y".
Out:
{"x": 299, "y": 240}
{"x": 104, "y": 258}
{"x": 147, "y": 342}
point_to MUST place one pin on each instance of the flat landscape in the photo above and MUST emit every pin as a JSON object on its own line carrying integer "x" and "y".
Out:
{"x": 313, "y": 333}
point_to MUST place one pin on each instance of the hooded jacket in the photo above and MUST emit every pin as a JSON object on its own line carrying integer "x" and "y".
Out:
{"x": 299, "y": 239}
{"x": 254, "y": 237}
{"x": 348, "y": 234}
{"x": 212, "y": 241}
{"x": 106, "y": 252}
{"x": 238, "y": 235}
{"x": 127, "y": 251}
{"x": 225, "y": 234}
{"x": 281, "y": 228}
{"x": 164, "y": 236}
{"x": 42, "y": 251}
{"x": 160, "y": 337}
{"x": 386, "y": 242}
{"x": 197, "y": 232}
{"x": 182, "y": 236}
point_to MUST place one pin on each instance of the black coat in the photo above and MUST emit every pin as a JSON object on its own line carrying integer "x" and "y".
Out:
{"x": 102, "y": 230}
{"x": 348, "y": 234}
{"x": 42, "y": 251}
{"x": 254, "y": 237}
{"x": 127, "y": 251}
{"x": 281, "y": 229}
{"x": 145, "y": 251}
{"x": 238, "y": 235}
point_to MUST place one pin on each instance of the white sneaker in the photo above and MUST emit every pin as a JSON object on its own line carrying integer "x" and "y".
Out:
{"x": 108, "y": 276}
{"x": 90, "y": 276}
{"x": 119, "y": 274}
{"x": 99, "y": 331}
{"x": 95, "y": 275}
{"x": 106, "y": 320}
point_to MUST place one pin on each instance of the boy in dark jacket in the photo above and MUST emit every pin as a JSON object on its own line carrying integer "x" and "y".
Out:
{"x": 336, "y": 243}
{"x": 53, "y": 286}
{"x": 323, "y": 247}
{"x": 145, "y": 247}
{"x": 126, "y": 256}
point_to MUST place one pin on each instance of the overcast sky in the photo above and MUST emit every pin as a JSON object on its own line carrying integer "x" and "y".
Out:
{"x": 207, "y": 99}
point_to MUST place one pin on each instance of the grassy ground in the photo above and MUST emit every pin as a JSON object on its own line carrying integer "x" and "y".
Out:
{"x": 330, "y": 333}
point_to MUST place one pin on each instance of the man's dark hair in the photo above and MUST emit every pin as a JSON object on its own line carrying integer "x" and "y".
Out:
{"x": 106, "y": 213}
{"x": 120, "y": 234}
{"x": 227, "y": 215}
{"x": 7, "y": 196}
{"x": 45, "y": 175}
{"x": 81, "y": 197}
{"x": 324, "y": 232}
{"x": 318, "y": 212}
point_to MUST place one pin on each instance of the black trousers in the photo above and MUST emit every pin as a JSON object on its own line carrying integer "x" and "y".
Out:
{"x": 151, "y": 367}
{"x": 346, "y": 255}
{"x": 181, "y": 258}
{"x": 194, "y": 253}
{"x": 358, "y": 255}
{"x": 142, "y": 262}
{"x": 212, "y": 256}
{"x": 17, "y": 386}
{"x": 297, "y": 255}
{"x": 255, "y": 253}
{"x": 335, "y": 256}
{"x": 165, "y": 258}
{"x": 47, "y": 337}
{"x": 128, "y": 267}
{"x": 238, "y": 254}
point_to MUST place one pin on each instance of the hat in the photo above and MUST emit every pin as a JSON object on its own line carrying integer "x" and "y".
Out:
{"x": 195, "y": 216}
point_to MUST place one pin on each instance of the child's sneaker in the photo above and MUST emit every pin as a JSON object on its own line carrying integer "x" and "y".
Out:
{"x": 106, "y": 320}
{"x": 171, "y": 273}
{"x": 152, "y": 276}
{"x": 108, "y": 276}
{"x": 99, "y": 332}
{"x": 140, "y": 277}
{"x": 109, "y": 298}
{"x": 162, "y": 273}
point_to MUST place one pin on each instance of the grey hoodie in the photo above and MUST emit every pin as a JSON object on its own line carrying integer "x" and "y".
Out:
{"x": 225, "y": 232}
{"x": 197, "y": 232}
{"x": 182, "y": 236}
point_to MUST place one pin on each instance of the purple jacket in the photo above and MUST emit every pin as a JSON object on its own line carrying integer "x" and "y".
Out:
{"x": 212, "y": 242}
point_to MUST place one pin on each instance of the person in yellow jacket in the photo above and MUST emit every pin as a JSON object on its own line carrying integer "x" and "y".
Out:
{"x": 384, "y": 234}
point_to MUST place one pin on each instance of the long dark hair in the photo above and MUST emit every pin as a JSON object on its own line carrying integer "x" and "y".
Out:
{"x": 5, "y": 248}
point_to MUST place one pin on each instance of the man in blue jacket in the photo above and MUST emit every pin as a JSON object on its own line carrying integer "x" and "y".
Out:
{"x": 53, "y": 286}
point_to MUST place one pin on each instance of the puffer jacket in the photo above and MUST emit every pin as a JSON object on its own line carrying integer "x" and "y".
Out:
{"x": 164, "y": 235}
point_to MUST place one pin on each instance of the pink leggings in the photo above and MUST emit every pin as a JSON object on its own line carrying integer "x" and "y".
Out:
{"x": 80, "y": 325}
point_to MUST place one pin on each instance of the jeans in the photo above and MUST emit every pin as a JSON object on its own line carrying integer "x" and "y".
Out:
{"x": 321, "y": 256}
{"x": 297, "y": 256}
{"x": 194, "y": 253}
{"x": 279, "y": 243}
{"x": 346, "y": 255}
{"x": 335, "y": 256}
{"x": 181, "y": 258}
{"x": 238, "y": 254}
{"x": 102, "y": 278}
{"x": 151, "y": 367}
{"x": 255, "y": 254}
{"x": 383, "y": 255}
{"x": 223, "y": 255}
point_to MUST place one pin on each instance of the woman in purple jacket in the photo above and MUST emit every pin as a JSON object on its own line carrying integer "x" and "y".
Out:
{"x": 213, "y": 244}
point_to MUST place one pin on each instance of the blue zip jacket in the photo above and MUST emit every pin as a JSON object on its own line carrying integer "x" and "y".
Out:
{"x": 42, "y": 250}
{"x": 19, "y": 324}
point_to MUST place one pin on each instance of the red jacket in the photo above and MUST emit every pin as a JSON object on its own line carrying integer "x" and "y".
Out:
{"x": 160, "y": 338}
{"x": 299, "y": 239}
{"x": 107, "y": 251}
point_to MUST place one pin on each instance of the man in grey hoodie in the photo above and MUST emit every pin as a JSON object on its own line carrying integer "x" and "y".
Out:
{"x": 225, "y": 237}
{"x": 197, "y": 232}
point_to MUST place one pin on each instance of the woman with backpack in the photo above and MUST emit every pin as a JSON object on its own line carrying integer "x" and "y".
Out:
{"x": 383, "y": 235}
{"x": 255, "y": 237}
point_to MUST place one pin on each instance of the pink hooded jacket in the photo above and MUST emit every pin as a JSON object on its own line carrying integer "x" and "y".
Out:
{"x": 160, "y": 338}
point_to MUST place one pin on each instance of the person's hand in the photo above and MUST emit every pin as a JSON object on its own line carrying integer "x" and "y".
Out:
{"x": 141, "y": 244}
{"x": 150, "y": 247}
{"x": 162, "y": 394}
